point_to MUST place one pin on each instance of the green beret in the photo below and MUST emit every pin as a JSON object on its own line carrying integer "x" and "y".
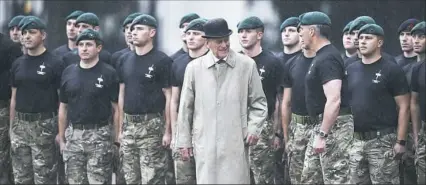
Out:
{"x": 346, "y": 28}
{"x": 314, "y": 18}
{"x": 21, "y": 23}
{"x": 15, "y": 21}
{"x": 292, "y": 21}
{"x": 130, "y": 18}
{"x": 407, "y": 25}
{"x": 33, "y": 22}
{"x": 419, "y": 28}
{"x": 88, "y": 18}
{"x": 74, "y": 15}
{"x": 196, "y": 24}
{"x": 144, "y": 19}
{"x": 89, "y": 34}
{"x": 252, "y": 22}
{"x": 373, "y": 29}
{"x": 188, "y": 18}
{"x": 359, "y": 22}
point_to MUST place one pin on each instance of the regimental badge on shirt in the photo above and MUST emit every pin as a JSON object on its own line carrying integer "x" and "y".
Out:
{"x": 262, "y": 72}
{"x": 150, "y": 70}
{"x": 41, "y": 72}
{"x": 99, "y": 83}
{"x": 377, "y": 79}
{"x": 310, "y": 68}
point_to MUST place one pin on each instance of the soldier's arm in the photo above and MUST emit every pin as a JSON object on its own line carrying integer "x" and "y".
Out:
{"x": 277, "y": 125}
{"x": 167, "y": 93}
{"x": 62, "y": 120}
{"x": 116, "y": 118}
{"x": 332, "y": 105}
{"x": 174, "y": 107}
{"x": 415, "y": 113}
{"x": 257, "y": 105}
{"x": 286, "y": 112}
{"x": 120, "y": 109}
{"x": 403, "y": 102}
{"x": 12, "y": 105}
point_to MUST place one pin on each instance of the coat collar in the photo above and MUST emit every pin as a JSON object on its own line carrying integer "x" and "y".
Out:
{"x": 230, "y": 59}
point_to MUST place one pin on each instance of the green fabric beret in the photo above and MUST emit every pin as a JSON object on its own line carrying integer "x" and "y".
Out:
{"x": 74, "y": 15}
{"x": 89, "y": 34}
{"x": 15, "y": 21}
{"x": 361, "y": 21}
{"x": 373, "y": 29}
{"x": 144, "y": 19}
{"x": 188, "y": 18}
{"x": 21, "y": 23}
{"x": 419, "y": 28}
{"x": 314, "y": 18}
{"x": 346, "y": 28}
{"x": 33, "y": 22}
{"x": 291, "y": 21}
{"x": 130, "y": 18}
{"x": 88, "y": 18}
{"x": 196, "y": 24}
{"x": 252, "y": 22}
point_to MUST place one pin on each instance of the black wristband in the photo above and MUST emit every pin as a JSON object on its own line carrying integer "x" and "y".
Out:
{"x": 401, "y": 142}
{"x": 117, "y": 144}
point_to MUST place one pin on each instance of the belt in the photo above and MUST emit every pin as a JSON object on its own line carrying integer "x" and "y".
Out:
{"x": 306, "y": 120}
{"x": 373, "y": 134}
{"x": 34, "y": 116}
{"x": 345, "y": 111}
{"x": 141, "y": 117}
{"x": 90, "y": 126}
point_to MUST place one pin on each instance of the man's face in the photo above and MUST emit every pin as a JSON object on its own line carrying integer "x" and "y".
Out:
{"x": 419, "y": 43}
{"x": 305, "y": 35}
{"x": 406, "y": 41}
{"x": 71, "y": 30}
{"x": 348, "y": 43}
{"x": 128, "y": 34}
{"x": 142, "y": 34}
{"x": 33, "y": 38}
{"x": 194, "y": 39}
{"x": 219, "y": 46}
{"x": 15, "y": 34}
{"x": 249, "y": 37}
{"x": 88, "y": 50}
{"x": 368, "y": 44}
{"x": 354, "y": 38}
{"x": 83, "y": 26}
{"x": 289, "y": 36}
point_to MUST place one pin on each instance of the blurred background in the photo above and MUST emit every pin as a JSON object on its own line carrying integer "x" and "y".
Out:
{"x": 387, "y": 13}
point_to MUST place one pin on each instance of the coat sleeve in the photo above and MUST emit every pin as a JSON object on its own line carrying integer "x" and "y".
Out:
{"x": 257, "y": 105}
{"x": 186, "y": 110}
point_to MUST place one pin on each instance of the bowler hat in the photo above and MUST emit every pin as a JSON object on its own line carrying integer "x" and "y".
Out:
{"x": 216, "y": 28}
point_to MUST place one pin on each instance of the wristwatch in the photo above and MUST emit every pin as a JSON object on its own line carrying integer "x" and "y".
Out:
{"x": 279, "y": 135}
{"x": 322, "y": 134}
{"x": 401, "y": 142}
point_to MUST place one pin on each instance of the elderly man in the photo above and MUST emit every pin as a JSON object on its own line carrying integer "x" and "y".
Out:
{"x": 222, "y": 98}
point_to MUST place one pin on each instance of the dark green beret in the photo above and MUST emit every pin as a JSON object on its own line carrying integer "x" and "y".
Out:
{"x": 33, "y": 22}
{"x": 291, "y": 21}
{"x": 419, "y": 28}
{"x": 144, "y": 19}
{"x": 373, "y": 29}
{"x": 346, "y": 28}
{"x": 314, "y": 18}
{"x": 359, "y": 22}
{"x": 15, "y": 21}
{"x": 88, "y": 18}
{"x": 188, "y": 18}
{"x": 196, "y": 24}
{"x": 89, "y": 34}
{"x": 407, "y": 25}
{"x": 74, "y": 15}
{"x": 130, "y": 18}
{"x": 21, "y": 23}
{"x": 252, "y": 22}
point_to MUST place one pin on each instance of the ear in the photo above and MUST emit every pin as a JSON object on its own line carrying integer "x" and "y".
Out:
{"x": 259, "y": 35}
{"x": 380, "y": 43}
{"x": 152, "y": 32}
{"x": 43, "y": 35}
{"x": 99, "y": 48}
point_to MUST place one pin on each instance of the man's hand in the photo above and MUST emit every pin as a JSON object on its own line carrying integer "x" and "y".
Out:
{"x": 186, "y": 153}
{"x": 57, "y": 139}
{"x": 252, "y": 140}
{"x": 166, "y": 139}
{"x": 416, "y": 141}
{"x": 399, "y": 151}
{"x": 285, "y": 143}
{"x": 319, "y": 144}
{"x": 276, "y": 143}
{"x": 62, "y": 145}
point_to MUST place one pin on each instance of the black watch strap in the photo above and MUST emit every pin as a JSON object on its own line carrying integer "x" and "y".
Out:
{"x": 401, "y": 142}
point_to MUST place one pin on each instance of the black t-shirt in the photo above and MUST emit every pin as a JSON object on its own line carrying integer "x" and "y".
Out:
{"x": 355, "y": 58}
{"x": 61, "y": 50}
{"x": 402, "y": 61}
{"x": 89, "y": 92}
{"x": 283, "y": 58}
{"x": 144, "y": 77}
{"x": 9, "y": 51}
{"x": 37, "y": 80}
{"x": 419, "y": 85}
{"x": 115, "y": 56}
{"x": 327, "y": 65}
{"x": 177, "y": 54}
{"x": 294, "y": 77}
{"x": 72, "y": 57}
{"x": 372, "y": 89}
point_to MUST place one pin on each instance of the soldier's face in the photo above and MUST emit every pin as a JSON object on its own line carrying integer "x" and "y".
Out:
{"x": 88, "y": 50}
{"x": 289, "y": 36}
{"x": 128, "y": 34}
{"x": 182, "y": 30}
{"x": 406, "y": 42}
{"x": 249, "y": 37}
{"x": 84, "y": 26}
{"x": 419, "y": 43}
{"x": 347, "y": 41}
{"x": 354, "y": 38}
{"x": 194, "y": 39}
{"x": 219, "y": 46}
{"x": 15, "y": 34}
{"x": 305, "y": 35}
{"x": 71, "y": 30}
{"x": 369, "y": 44}
{"x": 33, "y": 38}
{"x": 142, "y": 34}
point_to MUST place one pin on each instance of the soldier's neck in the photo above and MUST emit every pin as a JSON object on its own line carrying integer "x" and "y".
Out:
{"x": 371, "y": 58}
{"x": 292, "y": 49}
{"x": 142, "y": 50}
{"x": 409, "y": 54}
{"x": 36, "y": 51}
{"x": 350, "y": 53}
{"x": 87, "y": 64}
{"x": 421, "y": 57}
{"x": 253, "y": 51}
{"x": 319, "y": 43}
{"x": 71, "y": 44}
{"x": 197, "y": 53}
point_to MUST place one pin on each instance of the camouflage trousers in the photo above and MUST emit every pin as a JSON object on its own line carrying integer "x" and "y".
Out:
{"x": 6, "y": 175}
{"x": 421, "y": 156}
{"x": 262, "y": 156}
{"x": 372, "y": 161}
{"x": 88, "y": 155}
{"x": 144, "y": 158}
{"x": 408, "y": 174}
{"x": 33, "y": 150}
{"x": 118, "y": 165}
{"x": 331, "y": 166}
{"x": 184, "y": 170}
{"x": 299, "y": 134}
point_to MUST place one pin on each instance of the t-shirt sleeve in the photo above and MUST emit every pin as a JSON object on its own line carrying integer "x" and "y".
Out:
{"x": 286, "y": 80}
{"x": 58, "y": 69}
{"x": 173, "y": 74}
{"x": 397, "y": 84}
{"x": 119, "y": 68}
{"x": 13, "y": 69}
{"x": 330, "y": 69}
{"x": 165, "y": 75}
{"x": 414, "y": 78}
{"x": 63, "y": 98}
{"x": 114, "y": 87}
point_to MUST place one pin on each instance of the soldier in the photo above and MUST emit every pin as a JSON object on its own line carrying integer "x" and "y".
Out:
{"x": 262, "y": 159}
{"x": 21, "y": 39}
{"x": 290, "y": 39}
{"x": 86, "y": 21}
{"x": 379, "y": 98}
{"x": 9, "y": 51}
{"x": 184, "y": 21}
{"x": 326, "y": 105}
{"x": 88, "y": 105}
{"x": 408, "y": 55}
{"x": 35, "y": 79}
{"x": 14, "y": 31}
{"x": 348, "y": 44}
{"x": 71, "y": 31}
{"x": 418, "y": 103}
{"x": 144, "y": 96}
{"x": 185, "y": 170}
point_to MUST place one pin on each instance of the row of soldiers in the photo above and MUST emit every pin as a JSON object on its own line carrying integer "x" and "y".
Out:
{"x": 131, "y": 100}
